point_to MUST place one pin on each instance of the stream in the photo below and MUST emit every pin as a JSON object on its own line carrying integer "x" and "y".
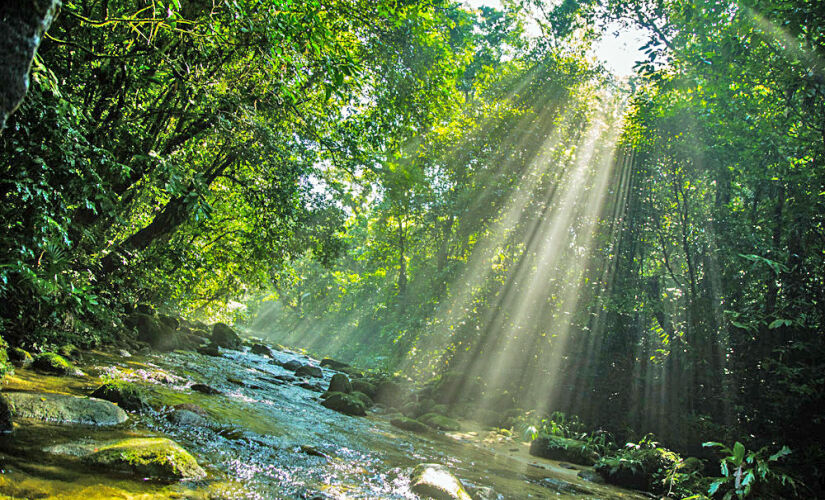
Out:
{"x": 266, "y": 437}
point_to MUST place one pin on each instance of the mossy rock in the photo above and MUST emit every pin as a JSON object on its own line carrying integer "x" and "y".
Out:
{"x": 436, "y": 482}
{"x": 20, "y": 357}
{"x": 125, "y": 394}
{"x": 157, "y": 458}
{"x": 345, "y": 403}
{"x": 364, "y": 386}
{"x": 69, "y": 351}
{"x": 563, "y": 449}
{"x": 409, "y": 424}
{"x": 334, "y": 365}
{"x": 391, "y": 394}
{"x": 440, "y": 422}
{"x": 262, "y": 350}
{"x": 636, "y": 468}
{"x": 209, "y": 350}
{"x": 64, "y": 409}
{"x": 152, "y": 331}
{"x": 363, "y": 398}
{"x": 50, "y": 362}
{"x": 340, "y": 383}
{"x": 224, "y": 336}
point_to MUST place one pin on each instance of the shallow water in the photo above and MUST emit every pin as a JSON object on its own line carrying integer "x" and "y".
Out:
{"x": 252, "y": 447}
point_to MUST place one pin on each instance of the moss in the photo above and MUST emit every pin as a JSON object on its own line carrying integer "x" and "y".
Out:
{"x": 637, "y": 468}
{"x": 50, "y": 362}
{"x": 20, "y": 357}
{"x": 69, "y": 351}
{"x": 409, "y": 424}
{"x": 347, "y": 404}
{"x": 363, "y": 398}
{"x": 440, "y": 422}
{"x": 158, "y": 458}
{"x": 563, "y": 449}
{"x": 125, "y": 394}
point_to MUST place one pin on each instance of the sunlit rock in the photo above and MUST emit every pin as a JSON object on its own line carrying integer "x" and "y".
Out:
{"x": 50, "y": 362}
{"x": 568, "y": 450}
{"x": 62, "y": 408}
{"x": 440, "y": 422}
{"x": 437, "y": 482}
{"x": 157, "y": 458}
{"x": 125, "y": 394}
{"x": 20, "y": 357}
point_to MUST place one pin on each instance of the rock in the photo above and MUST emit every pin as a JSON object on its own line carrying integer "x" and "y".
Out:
{"x": 363, "y": 398}
{"x": 62, "y": 408}
{"x": 437, "y": 482}
{"x": 592, "y": 476}
{"x": 262, "y": 350}
{"x": 224, "y": 336}
{"x": 123, "y": 353}
{"x": 152, "y": 331}
{"x": 340, "y": 383}
{"x": 292, "y": 365}
{"x": 312, "y": 451}
{"x": 345, "y": 403}
{"x": 311, "y": 387}
{"x": 440, "y": 422}
{"x": 157, "y": 458}
{"x": 205, "y": 389}
{"x": 169, "y": 321}
{"x": 309, "y": 371}
{"x": 5, "y": 416}
{"x": 335, "y": 365}
{"x": 563, "y": 449}
{"x": 391, "y": 394}
{"x": 23, "y": 24}
{"x": 365, "y": 387}
{"x": 209, "y": 350}
{"x": 69, "y": 351}
{"x": 636, "y": 468}
{"x": 50, "y": 362}
{"x": 409, "y": 424}
{"x": 187, "y": 417}
{"x": 20, "y": 358}
{"x": 125, "y": 394}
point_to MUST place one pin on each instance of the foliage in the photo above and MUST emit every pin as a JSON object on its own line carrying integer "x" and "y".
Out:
{"x": 746, "y": 473}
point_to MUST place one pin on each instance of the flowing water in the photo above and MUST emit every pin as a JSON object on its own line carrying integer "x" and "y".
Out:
{"x": 252, "y": 447}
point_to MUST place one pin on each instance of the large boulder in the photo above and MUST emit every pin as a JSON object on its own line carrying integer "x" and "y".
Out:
{"x": 20, "y": 357}
{"x": 153, "y": 331}
{"x": 409, "y": 424}
{"x": 62, "y": 408}
{"x": 157, "y": 458}
{"x": 50, "y": 362}
{"x": 125, "y": 394}
{"x": 345, "y": 403}
{"x": 340, "y": 383}
{"x": 563, "y": 449}
{"x": 224, "y": 336}
{"x": 391, "y": 394}
{"x": 364, "y": 386}
{"x": 291, "y": 365}
{"x": 436, "y": 482}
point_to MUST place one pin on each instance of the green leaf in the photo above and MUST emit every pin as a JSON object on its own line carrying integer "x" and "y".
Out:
{"x": 779, "y": 454}
{"x": 738, "y": 453}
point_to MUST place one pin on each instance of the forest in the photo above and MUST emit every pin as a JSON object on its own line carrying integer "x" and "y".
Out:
{"x": 492, "y": 240}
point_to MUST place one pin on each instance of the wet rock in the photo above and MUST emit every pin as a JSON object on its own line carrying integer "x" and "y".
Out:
{"x": 125, "y": 394}
{"x": 224, "y": 336}
{"x": 309, "y": 371}
{"x": 186, "y": 417}
{"x": 436, "y": 482}
{"x": 364, "y": 386}
{"x": 409, "y": 424}
{"x": 20, "y": 357}
{"x": 62, "y": 408}
{"x": 440, "y": 422}
{"x": 568, "y": 450}
{"x": 157, "y": 458}
{"x": 205, "y": 389}
{"x": 262, "y": 350}
{"x": 335, "y": 365}
{"x": 345, "y": 403}
{"x": 5, "y": 415}
{"x": 310, "y": 386}
{"x": 340, "y": 383}
{"x": 292, "y": 365}
{"x": 592, "y": 476}
{"x": 50, "y": 362}
{"x": 209, "y": 350}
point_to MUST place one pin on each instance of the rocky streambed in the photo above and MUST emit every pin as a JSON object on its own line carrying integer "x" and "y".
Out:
{"x": 251, "y": 422}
